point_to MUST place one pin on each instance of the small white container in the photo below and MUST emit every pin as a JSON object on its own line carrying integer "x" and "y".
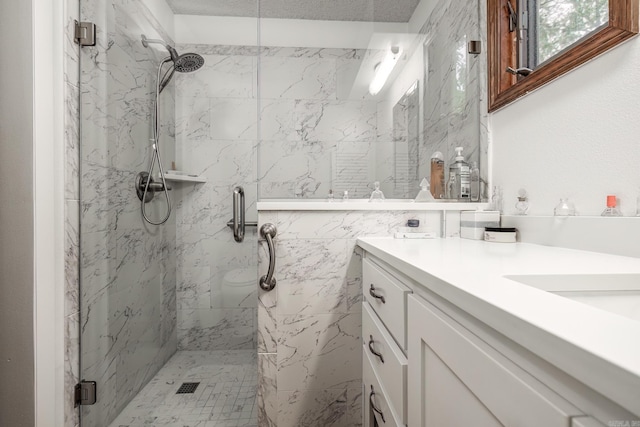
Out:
{"x": 500, "y": 235}
{"x": 473, "y": 223}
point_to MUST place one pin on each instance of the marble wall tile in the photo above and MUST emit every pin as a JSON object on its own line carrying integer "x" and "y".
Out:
{"x": 71, "y": 368}
{"x": 212, "y": 329}
{"x": 233, "y": 118}
{"x": 311, "y": 259}
{"x": 221, "y": 76}
{"x": 193, "y": 119}
{"x": 71, "y": 257}
{"x": 267, "y": 391}
{"x": 72, "y": 141}
{"x": 319, "y": 352}
{"x": 220, "y": 161}
{"x": 313, "y": 408}
{"x": 297, "y": 78}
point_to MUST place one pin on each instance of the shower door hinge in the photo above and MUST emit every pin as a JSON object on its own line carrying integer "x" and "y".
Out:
{"x": 85, "y": 33}
{"x": 85, "y": 393}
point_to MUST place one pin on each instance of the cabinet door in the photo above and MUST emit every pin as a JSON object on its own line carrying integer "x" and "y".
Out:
{"x": 455, "y": 379}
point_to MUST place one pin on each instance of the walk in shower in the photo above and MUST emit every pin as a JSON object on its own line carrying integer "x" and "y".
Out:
{"x": 278, "y": 99}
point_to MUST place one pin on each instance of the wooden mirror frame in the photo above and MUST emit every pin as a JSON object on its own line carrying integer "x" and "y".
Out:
{"x": 504, "y": 88}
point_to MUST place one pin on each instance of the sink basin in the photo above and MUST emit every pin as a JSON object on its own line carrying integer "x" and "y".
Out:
{"x": 615, "y": 293}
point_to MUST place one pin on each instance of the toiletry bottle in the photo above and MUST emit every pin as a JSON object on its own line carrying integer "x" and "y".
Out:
{"x": 425, "y": 194}
{"x": 345, "y": 196}
{"x": 565, "y": 208}
{"x": 461, "y": 171}
{"x": 453, "y": 189}
{"x": 330, "y": 196}
{"x": 475, "y": 183}
{"x": 437, "y": 175}
{"x": 611, "y": 209}
{"x": 376, "y": 194}
{"x": 522, "y": 205}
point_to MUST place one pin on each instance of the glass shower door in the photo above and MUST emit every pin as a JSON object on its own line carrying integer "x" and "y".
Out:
{"x": 185, "y": 289}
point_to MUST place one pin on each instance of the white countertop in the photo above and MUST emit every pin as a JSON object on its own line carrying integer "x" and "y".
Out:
{"x": 599, "y": 348}
{"x": 365, "y": 205}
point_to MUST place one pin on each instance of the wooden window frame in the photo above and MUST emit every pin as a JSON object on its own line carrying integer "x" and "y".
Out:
{"x": 505, "y": 88}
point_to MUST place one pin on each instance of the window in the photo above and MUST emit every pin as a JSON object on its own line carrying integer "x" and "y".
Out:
{"x": 531, "y": 42}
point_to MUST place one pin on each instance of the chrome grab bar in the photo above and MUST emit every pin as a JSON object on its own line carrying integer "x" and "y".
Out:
{"x": 237, "y": 223}
{"x": 268, "y": 282}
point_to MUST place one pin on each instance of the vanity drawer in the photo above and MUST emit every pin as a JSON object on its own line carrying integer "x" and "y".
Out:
{"x": 375, "y": 396}
{"x": 391, "y": 365}
{"x": 388, "y": 298}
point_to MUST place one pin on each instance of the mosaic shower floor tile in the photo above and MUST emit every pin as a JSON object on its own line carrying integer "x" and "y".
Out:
{"x": 225, "y": 397}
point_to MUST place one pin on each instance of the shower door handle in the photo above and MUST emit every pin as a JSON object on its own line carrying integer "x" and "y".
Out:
{"x": 268, "y": 282}
{"x": 237, "y": 223}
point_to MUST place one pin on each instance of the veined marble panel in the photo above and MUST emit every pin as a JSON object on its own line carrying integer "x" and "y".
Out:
{"x": 72, "y": 257}
{"x": 221, "y": 76}
{"x": 308, "y": 408}
{"x": 297, "y": 78}
{"x": 267, "y": 390}
{"x": 319, "y": 352}
{"x": 212, "y": 329}
{"x": 72, "y": 141}
{"x": 71, "y": 368}
{"x": 312, "y": 120}
{"x": 222, "y": 162}
{"x": 311, "y": 259}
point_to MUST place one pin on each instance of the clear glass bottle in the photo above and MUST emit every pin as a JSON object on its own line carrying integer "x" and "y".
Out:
{"x": 496, "y": 199}
{"x": 475, "y": 182}
{"x": 376, "y": 194}
{"x": 453, "y": 189}
{"x": 345, "y": 196}
{"x": 611, "y": 209}
{"x": 522, "y": 205}
{"x": 330, "y": 196}
{"x": 564, "y": 208}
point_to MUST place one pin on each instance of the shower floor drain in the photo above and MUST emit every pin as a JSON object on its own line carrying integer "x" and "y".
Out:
{"x": 187, "y": 388}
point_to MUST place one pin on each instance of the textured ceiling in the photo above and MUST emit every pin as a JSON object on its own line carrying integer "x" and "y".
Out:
{"x": 330, "y": 10}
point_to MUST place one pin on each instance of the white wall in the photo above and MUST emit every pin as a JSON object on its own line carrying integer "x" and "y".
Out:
{"x": 578, "y": 137}
{"x": 225, "y": 30}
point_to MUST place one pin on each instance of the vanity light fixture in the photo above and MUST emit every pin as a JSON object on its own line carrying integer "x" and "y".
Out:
{"x": 383, "y": 69}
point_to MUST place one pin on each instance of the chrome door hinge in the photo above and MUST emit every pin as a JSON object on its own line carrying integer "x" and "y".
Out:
{"x": 85, "y": 33}
{"x": 85, "y": 393}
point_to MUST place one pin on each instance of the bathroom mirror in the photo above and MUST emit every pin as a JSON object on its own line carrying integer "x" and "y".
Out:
{"x": 406, "y": 133}
{"x": 531, "y": 42}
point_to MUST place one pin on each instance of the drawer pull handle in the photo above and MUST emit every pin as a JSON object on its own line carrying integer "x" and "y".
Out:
{"x": 375, "y": 353}
{"x": 373, "y": 406}
{"x": 372, "y": 292}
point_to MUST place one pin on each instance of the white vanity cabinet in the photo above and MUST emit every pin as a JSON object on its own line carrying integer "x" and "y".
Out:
{"x": 456, "y": 379}
{"x": 429, "y": 363}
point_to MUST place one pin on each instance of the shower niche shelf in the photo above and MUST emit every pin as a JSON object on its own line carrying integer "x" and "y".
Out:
{"x": 179, "y": 176}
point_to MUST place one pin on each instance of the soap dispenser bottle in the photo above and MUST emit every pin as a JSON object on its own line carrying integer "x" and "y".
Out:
{"x": 460, "y": 169}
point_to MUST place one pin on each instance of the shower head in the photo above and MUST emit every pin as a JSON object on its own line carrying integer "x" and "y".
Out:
{"x": 185, "y": 63}
{"x": 188, "y": 62}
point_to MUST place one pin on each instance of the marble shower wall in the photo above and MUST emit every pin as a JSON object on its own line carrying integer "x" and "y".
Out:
{"x": 314, "y": 136}
{"x": 128, "y": 274}
{"x": 309, "y": 326}
{"x": 216, "y": 137}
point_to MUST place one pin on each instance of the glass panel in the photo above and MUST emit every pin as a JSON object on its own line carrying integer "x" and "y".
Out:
{"x": 560, "y": 23}
{"x": 366, "y": 95}
{"x": 165, "y": 303}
